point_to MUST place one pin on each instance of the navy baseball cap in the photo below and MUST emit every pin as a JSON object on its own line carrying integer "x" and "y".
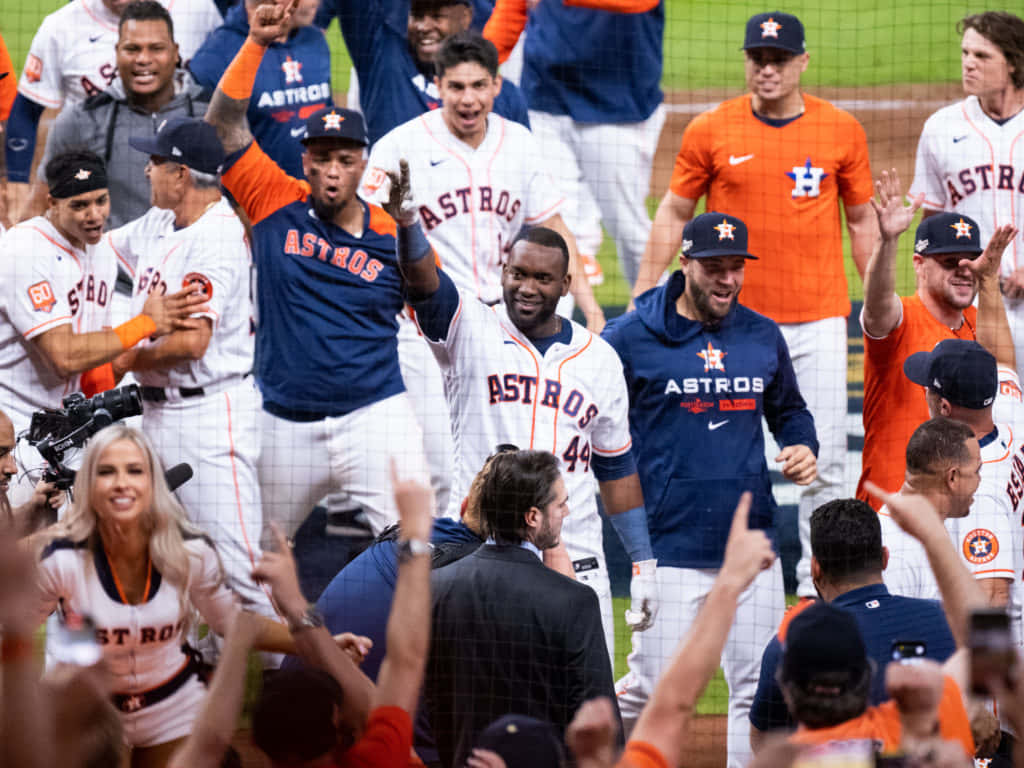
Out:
{"x": 715, "y": 234}
{"x": 523, "y": 741}
{"x": 186, "y": 140}
{"x": 336, "y": 123}
{"x": 961, "y": 371}
{"x": 823, "y": 639}
{"x": 775, "y": 30}
{"x": 947, "y": 233}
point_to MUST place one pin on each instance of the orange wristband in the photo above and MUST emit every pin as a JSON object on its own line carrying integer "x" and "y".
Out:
{"x": 135, "y": 330}
{"x": 240, "y": 76}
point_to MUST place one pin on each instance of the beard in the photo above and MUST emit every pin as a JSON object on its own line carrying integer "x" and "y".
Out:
{"x": 325, "y": 211}
{"x": 709, "y": 315}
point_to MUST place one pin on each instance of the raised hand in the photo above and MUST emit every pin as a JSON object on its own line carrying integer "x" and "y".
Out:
{"x": 271, "y": 21}
{"x": 747, "y": 552}
{"x": 912, "y": 512}
{"x": 893, "y": 216}
{"x": 173, "y": 312}
{"x": 987, "y": 265}
{"x": 277, "y": 570}
{"x": 414, "y": 502}
{"x": 399, "y": 203}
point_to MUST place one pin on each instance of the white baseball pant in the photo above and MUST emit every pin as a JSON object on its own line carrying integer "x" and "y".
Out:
{"x": 301, "y": 462}
{"x": 683, "y": 591}
{"x": 607, "y": 164}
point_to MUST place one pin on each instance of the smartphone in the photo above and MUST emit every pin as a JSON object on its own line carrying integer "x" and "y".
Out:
{"x": 992, "y": 651}
{"x": 853, "y": 753}
{"x": 909, "y": 651}
{"x": 75, "y": 642}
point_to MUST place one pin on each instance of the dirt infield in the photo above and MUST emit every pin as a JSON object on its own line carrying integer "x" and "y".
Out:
{"x": 892, "y": 116}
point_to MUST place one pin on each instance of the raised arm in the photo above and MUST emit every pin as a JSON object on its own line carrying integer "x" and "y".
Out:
{"x": 415, "y": 256}
{"x": 993, "y": 325}
{"x": 881, "y": 304}
{"x": 666, "y": 236}
{"x": 231, "y": 98}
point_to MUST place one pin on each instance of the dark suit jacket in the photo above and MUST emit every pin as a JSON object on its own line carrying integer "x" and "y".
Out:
{"x": 509, "y": 636}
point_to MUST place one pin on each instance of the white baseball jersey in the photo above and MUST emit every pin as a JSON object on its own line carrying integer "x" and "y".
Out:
{"x": 571, "y": 401}
{"x": 72, "y": 54}
{"x": 472, "y": 202}
{"x": 213, "y": 253}
{"x": 141, "y": 643}
{"x": 45, "y": 282}
{"x": 966, "y": 162}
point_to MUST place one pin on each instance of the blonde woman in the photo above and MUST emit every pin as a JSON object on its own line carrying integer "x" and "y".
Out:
{"x": 126, "y": 555}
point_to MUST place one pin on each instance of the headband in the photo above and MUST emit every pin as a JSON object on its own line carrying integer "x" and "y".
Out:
{"x": 84, "y": 176}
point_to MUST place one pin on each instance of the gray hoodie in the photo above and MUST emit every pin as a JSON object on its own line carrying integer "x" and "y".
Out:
{"x": 103, "y": 124}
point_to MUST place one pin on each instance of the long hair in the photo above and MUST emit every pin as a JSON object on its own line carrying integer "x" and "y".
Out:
{"x": 164, "y": 523}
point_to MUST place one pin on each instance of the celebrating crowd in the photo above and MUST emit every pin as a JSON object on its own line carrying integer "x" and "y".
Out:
{"x": 374, "y": 303}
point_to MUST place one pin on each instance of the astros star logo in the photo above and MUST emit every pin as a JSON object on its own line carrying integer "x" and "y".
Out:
{"x": 770, "y": 28}
{"x": 712, "y": 358}
{"x": 963, "y": 229}
{"x": 979, "y": 547}
{"x": 332, "y": 121}
{"x": 83, "y": 174}
{"x": 725, "y": 230}
{"x": 291, "y": 68}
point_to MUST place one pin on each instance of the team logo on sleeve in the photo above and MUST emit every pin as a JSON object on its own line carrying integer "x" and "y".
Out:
{"x": 33, "y": 68}
{"x": 1008, "y": 388}
{"x": 980, "y": 546}
{"x": 199, "y": 282}
{"x": 807, "y": 179}
{"x": 712, "y": 358}
{"x": 41, "y": 296}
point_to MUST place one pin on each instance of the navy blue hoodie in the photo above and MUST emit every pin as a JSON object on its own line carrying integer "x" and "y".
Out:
{"x": 696, "y": 397}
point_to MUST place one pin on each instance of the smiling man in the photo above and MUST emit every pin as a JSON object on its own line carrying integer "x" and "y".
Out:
{"x": 702, "y": 370}
{"x": 335, "y": 408}
{"x": 519, "y": 373}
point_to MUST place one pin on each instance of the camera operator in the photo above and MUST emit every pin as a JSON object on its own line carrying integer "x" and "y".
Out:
{"x": 41, "y": 508}
{"x": 56, "y": 292}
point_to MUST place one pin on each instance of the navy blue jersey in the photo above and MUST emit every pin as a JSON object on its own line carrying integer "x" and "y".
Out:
{"x": 696, "y": 398}
{"x": 883, "y": 620}
{"x": 595, "y": 66}
{"x": 293, "y": 82}
{"x": 393, "y": 88}
{"x": 327, "y": 300}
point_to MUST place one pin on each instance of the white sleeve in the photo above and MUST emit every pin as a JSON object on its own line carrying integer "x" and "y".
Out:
{"x": 928, "y": 175}
{"x": 36, "y": 303}
{"x": 120, "y": 241}
{"x": 461, "y": 346}
{"x": 209, "y": 592}
{"x": 986, "y": 538}
{"x": 543, "y": 196}
{"x": 1009, "y": 405}
{"x": 52, "y": 586}
{"x": 41, "y": 79}
{"x": 375, "y": 186}
{"x": 221, "y": 263}
{"x": 611, "y": 434}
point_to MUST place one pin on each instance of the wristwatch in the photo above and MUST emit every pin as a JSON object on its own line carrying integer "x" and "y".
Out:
{"x": 410, "y": 548}
{"x": 311, "y": 618}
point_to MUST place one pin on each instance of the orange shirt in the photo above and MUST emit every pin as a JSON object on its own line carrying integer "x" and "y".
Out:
{"x": 785, "y": 184}
{"x": 893, "y": 405}
{"x": 8, "y": 82}
{"x": 882, "y": 725}
{"x": 640, "y": 754}
{"x": 386, "y": 742}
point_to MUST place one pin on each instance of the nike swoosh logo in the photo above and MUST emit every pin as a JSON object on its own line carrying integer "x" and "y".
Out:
{"x": 734, "y": 160}
{"x": 300, "y": 131}
{"x": 437, "y": 162}
{"x": 713, "y": 425}
{"x": 958, "y": 139}
{"x": 94, "y": 38}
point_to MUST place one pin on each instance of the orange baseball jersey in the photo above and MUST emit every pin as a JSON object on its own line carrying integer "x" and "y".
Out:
{"x": 882, "y": 725}
{"x": 893, "y": 405}
{"x": 640, "y": 754}
{"x": 8, "y": 82}
{"x": 785, "y": 183}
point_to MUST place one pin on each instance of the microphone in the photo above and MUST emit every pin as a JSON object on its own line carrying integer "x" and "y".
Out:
{"x": 178, "y": 475}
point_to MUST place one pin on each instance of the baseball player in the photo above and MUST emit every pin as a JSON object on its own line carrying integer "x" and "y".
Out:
{"x": 54, "y": 304}
{"x": 335, "y": 410}
{"x": 591, "y": 78}
{"x": 72, "y": 57}
{"x": 392, "y": 44}
{"x": 519, "y": 373}
{"x": 478, "y": 181}
{"x": 968, "y": 157}
{"x": 699, "y": 364}
{"x": 783, "y": 160}
{"x": 199, "y": 406}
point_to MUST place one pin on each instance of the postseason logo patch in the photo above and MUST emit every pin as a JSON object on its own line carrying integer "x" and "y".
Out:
{"x": 41, "y": 296}
{"x": 980, "y": 546}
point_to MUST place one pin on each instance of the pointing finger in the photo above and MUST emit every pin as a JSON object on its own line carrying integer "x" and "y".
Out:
{"x": 742, "y": 515}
